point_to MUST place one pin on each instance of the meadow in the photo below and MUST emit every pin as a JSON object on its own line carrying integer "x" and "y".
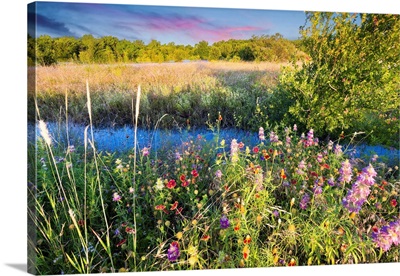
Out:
{"x": 285, "y": 198}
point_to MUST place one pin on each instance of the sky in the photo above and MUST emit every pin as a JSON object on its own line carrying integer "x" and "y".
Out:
{"x": 181, "y": 25}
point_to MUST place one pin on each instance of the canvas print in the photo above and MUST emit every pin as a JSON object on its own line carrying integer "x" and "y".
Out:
{"x": 168, "y": 138}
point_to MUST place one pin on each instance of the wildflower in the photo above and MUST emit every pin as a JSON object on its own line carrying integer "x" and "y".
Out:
{"x": 374, "y": 158}
{"x": 247, "y": 240}
{"x": 338, "y": 149}
{"x": 218, "y": 174}
{"x": 130, "y": 230}
{"x": 310, "y": 138}
{"x": 292, "y": 202}
{"x": 393, "y": 202}
{"x": 116, "y": 197}
{"x": 185, "y": 183}
{"x": 246, "y": 252}
{"x": 360, "y": 190}
{"x": 382, "y": 238}
{"x": 205, "y": 238}
{"x": 159, "y": 184}
{"x": 44, "y": 132}
{"x": 283, "y": 175}
{"x": 121, "y": 242}
{"x": 171, "y": 184}
{"x": 146, "y": 151}
{"x": 234, "y": 151}
{"x": 288, "y": 141}
{"x": 304, "y": 201}
{"x": 261, "y": 135}
{"x": 174, "y": 206}
{"x": 131, "y": 190}
{"x": 273, "y": 138}
{"x": 224, "y": 222}
{"x": 178, "y": 211}
{"x": 295, "y": 127}
{"x": 237, "y": 227}
{"x": 160, "y": 207}
{"x": 275, "y": 213}
{"x": 319, "y": 158}
{"x": 182, "y": 178}
{"x": 331, "y": 181}
{"x": 194, "y": 173}
{"x": 256, "y": 149}
{"x": 70, "y": 149}
{"x": 173, "y": 252}
{"x": 317, "y": 189}
{"x": 292, "y": 262}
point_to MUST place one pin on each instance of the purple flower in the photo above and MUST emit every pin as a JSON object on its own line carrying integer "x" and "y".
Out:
{"x": 218, "y": 174}
{"x": 345, "y": 172}
{"x": 319, "y": 158}
{"x": 261, "y": 134}
{"x": 382, "y": 238}
{"x": 173, "y": 251}
{"x": 288, "y": 141}
{"x": 304, "y": 201}
{"x": 360, "y": 190}
{"x": 273, "y": 137}
{"x": 394, "y": 231}
{"x": 275, "y": 213}
{"x": 331, "y": 181}
{"x": 224, "y": 222}
{"x": 317, "y": 190}
{"x": 310, "y": 138}
{"x": 338, "y": 149}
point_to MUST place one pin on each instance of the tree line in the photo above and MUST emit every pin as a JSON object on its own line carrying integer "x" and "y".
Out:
{"x": 45, "y": 50}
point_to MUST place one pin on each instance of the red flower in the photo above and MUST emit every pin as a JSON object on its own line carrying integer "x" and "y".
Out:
{"x": 178, "y": 211}
{"x": 247, "y": 240}
{"x": 195, "y": 173}
{"x": 182, "y": 177}
{"x": 393, "y": 202}
{"x": 237, "y": 227}
{"x": 314, "y": 174}
{"x": 173, "y": 207}
{"x": 129, "y": 230}
{"x": 185, "y": 183}
{"x": 241, "y": 145}
{"x": 121, "y": 243}
{"x": 294, "y": 181}
{"x": 256, "y": 149}
{"x": 171, "y": 184}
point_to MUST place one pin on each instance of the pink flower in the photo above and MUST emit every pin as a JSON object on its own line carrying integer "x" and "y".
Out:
{"x": 116, "y": 197}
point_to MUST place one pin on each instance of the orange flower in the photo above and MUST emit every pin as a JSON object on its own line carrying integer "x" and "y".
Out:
{"x": 246, "y": 252}
{"x": 205, "y": 238}
{"x": 160, "y": 207}
{"x": 237, "y": 227}
{"x": 283, "y": 175}
{"x": 292, "y": 262}
{"x": 182, "y": 177}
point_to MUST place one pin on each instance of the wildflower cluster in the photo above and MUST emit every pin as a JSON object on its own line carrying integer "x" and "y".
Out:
{"x": 360, "y": 190}
{"x": 387, "y": 235}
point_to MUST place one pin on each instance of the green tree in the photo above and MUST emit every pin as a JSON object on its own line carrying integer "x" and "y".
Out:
{"x": 202, "y": 49}
{"x": 45, "y": 53}
{"x": 352, "y": 73}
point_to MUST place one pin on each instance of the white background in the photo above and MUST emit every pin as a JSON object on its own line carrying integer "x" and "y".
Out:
{"x": 13, "y": 241}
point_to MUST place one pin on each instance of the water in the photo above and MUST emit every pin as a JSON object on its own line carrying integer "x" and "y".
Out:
{"x": 121, "y": 140}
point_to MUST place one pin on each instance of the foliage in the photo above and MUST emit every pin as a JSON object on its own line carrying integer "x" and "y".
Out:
{"x": 352, "y": 72}
{"x": 109, "y": 49}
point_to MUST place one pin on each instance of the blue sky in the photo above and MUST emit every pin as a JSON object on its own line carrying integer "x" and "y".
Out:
{"x": 182, "y": 25}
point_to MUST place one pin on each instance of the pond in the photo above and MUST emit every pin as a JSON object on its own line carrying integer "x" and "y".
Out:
{"x": 120, "y": 140}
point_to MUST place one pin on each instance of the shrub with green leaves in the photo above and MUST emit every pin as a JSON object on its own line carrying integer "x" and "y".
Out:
{"x": 352, "y": 73}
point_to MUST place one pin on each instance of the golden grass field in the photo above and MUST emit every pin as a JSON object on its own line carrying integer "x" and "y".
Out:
{"x": 117, "y": 77}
